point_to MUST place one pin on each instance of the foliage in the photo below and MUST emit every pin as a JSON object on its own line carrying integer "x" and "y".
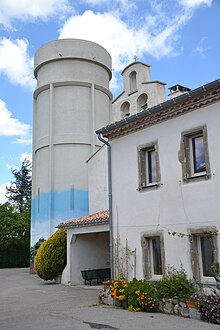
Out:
{"x": 145, "y": 296}
{"x": 119, "y": 289}
{"x": 212, "y": 233}
{"x": 175, "y": 284}
{"x": 19, "y": 192}
{"x": 140, "y": 295}
{"x": 51, "y": 256}
{"x": 209, "y": 307}
{"x": 15, "y": 235}
{"x": 33, "y": 250}
{"x": 216, "y": 272}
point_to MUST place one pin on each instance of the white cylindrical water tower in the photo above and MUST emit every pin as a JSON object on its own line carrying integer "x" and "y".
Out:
{"x": 71, "y": 101}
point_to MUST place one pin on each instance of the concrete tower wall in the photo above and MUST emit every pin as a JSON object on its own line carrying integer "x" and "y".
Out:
{"x": 71, "y": 101}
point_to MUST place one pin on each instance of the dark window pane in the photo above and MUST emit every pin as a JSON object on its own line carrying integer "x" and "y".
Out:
{"x": 152, "y": 175}
{"x": 207, "y": 255}
{"x": 157, "y": 265}
{"x": 198, "y": 154}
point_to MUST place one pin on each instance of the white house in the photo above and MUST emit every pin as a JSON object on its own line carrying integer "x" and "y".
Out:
{"x": 165, "y": 164}
{"x": 155, "y": 167}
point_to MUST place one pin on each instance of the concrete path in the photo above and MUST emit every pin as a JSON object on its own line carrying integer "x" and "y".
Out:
{"x": 27, "y": 302}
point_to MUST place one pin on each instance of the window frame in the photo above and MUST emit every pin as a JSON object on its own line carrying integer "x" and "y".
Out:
{"x": 196, "y": 253}
{"x": 144, "y": 177}
{"x": 148, "y": 256}
{"x": 187, "y": 155}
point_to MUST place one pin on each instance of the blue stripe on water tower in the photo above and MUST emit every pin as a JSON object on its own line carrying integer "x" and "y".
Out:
{"x": 55, "y": 207}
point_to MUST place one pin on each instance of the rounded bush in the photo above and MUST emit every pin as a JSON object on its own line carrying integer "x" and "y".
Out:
{"x": 50, "y": 260}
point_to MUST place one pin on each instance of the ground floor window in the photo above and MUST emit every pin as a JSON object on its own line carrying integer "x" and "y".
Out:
{"x": 203, "y": 254}
{"x": 156, "y": 256}
{"x": 152, "y": 256}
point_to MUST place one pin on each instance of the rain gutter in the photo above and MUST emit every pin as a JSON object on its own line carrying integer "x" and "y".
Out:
{"x": 110, "y": 203}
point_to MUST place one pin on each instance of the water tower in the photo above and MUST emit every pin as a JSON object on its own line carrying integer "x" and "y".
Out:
{"x": 71, "y": 101}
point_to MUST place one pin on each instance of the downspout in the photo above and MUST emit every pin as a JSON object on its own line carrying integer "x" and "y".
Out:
{"x": 110, "y": 203}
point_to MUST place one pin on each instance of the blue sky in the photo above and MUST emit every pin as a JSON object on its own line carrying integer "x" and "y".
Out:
{"x": 178, "y": 38}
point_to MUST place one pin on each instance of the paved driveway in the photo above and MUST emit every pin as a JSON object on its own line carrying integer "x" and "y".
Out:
{"x": 26, "y": 302}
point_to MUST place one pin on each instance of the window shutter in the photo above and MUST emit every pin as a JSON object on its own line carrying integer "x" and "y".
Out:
{"x": 184, "y": 147}
{"x": 207, "y": 164}
{"x": 157, "y": 164}
{"x": 143, "y": 168}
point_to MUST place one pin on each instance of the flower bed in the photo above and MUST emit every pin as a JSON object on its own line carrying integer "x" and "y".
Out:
{"x": 208, "y": 306}
{"x": 171, "y": 295}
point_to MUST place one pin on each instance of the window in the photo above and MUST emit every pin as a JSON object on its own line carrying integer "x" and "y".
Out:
{"x": 195, "y": 159}
{"x": 133, "y": 81}
{"x": 153, "y": 256}
{"x": 206, "y": 252}
{"x": 203, "y": 255}
{"x": 148, "y": 164}
{"x": 125, "y": 110}
{"x": 156, "y": 256}
{"x": 142, "y": 102}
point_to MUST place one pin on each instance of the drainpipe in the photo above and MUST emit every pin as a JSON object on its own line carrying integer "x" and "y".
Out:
{"x": 110, "y": 203}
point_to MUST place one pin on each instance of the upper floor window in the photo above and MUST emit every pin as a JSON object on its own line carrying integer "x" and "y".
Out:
{"x": 125, "y": 109}
{"x": 133, "y": 81}
{"x": 148, "y": 166}
{"x": 195, "y": 159}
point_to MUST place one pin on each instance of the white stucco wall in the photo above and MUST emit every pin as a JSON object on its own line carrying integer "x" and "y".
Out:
{"x": 174, "y": 206}
{"x": 87, "y": 248}
{"x": 98, "y": 181}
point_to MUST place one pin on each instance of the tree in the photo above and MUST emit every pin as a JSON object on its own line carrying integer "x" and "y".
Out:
{"x": 15, "y": 236}
{"x": 51, "y": 256}
{"x": 19, "y": 192}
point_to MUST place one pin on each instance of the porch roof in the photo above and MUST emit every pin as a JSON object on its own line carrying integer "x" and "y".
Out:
{"x": 98, "y": 218}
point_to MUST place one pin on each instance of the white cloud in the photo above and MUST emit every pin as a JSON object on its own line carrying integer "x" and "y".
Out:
{"x": 10, "y": 126}
{"x": 120, "y": 40}
{"x": 26, "y": 10}
{"x": 15, "y": 62}
{"x": 155, "y": 33}
{"x": 120, "y": 4}
{"x": 123, "y": 42}
{"x": 27, "y": 156}
{"x": 3, "y": 186}
{"x": 200, "y": 48}
{"x": 195, "y": 3}
{"x": 9, "y": 167}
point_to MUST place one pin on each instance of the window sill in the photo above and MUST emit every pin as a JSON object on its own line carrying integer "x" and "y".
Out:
{"x": 151, "y": 186}
{"x": 207, "y": 281}
{"x": 197, "y": 177}
{"x": 155, "y": 278}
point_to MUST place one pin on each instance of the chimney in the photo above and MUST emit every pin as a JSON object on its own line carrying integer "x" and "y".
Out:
{"x": 178, "y": 90}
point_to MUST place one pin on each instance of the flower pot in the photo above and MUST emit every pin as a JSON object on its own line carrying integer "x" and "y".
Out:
{"x": 191, "y": 304}
{"x": 106, "y": 284}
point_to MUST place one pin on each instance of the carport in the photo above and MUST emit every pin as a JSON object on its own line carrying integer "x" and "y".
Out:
{"x": 87, "y": 246}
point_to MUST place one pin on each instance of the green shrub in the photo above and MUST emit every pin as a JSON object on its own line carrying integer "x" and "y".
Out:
{"x": 175, "y": 284}
{"x": 142, "y": 296}
{"x": 51, "y": 256}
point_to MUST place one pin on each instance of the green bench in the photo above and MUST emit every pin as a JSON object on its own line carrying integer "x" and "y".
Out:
{"x": 96, "y": 274}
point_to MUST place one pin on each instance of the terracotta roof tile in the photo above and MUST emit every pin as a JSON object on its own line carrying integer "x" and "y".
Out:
{"x": 98, "y": 218}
